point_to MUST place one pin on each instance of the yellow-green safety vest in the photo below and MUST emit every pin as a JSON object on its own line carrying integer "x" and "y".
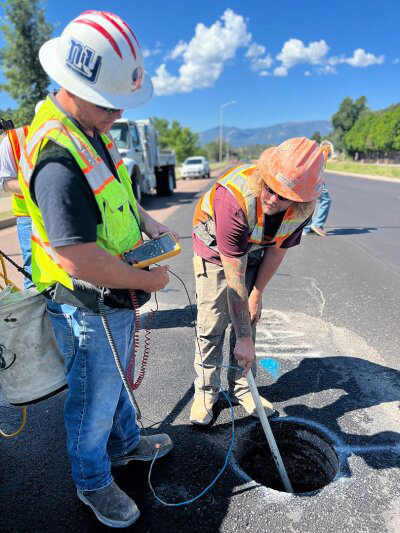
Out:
{"x": 17, "y": 140}
{"x": 119, "y": 230}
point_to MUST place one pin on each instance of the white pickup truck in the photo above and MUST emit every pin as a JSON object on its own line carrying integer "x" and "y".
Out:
{"x": 195, "y": 167}
{"x": 149, "y": 167}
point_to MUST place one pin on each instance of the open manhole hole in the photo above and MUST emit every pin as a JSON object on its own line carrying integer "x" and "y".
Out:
{"x": 309, "y": 457}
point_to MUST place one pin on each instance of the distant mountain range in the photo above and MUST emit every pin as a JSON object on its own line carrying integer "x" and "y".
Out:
{"x": 269, "y": 135}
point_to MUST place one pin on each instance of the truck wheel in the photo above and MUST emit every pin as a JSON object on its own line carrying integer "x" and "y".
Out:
{"x": 136, "y": 185}
{"x": 165, "y": 181}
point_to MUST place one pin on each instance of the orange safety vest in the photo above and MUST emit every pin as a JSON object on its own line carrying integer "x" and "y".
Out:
{"x": 17, "y": 140}
{"x": 235, "y": 181}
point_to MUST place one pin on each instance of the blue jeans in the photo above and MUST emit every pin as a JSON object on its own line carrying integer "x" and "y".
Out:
{"x": 24, "y": 230}
{"x": 99, "y": 418}
{"x": 323, "y": 206}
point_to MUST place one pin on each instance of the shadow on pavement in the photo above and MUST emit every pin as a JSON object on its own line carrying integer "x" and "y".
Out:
{"x": 365, "y": 384}
{"x": 152, "y": 202}
{"x": 175, "y": 318}
{"x": 349, "y": 231}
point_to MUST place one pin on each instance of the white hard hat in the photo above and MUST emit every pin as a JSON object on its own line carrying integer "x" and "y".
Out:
{"x": 98, "y": 58}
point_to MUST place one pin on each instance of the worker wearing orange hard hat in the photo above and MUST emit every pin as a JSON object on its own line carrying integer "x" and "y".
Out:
{"x": 242, "y": 229}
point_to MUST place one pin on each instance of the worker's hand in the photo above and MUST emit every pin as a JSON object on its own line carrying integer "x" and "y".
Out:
{"x": 158, "y": 278}
{"x": 154, "y": 229}
{"x": 245, "y": 353}
{"x": 151, "y": 227}
{"x": 255, "y": 306}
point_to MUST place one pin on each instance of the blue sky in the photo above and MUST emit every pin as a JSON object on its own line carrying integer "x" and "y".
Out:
{"x": 280, "y": 61}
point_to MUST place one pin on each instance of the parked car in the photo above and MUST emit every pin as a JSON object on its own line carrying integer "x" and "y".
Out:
{"x": 196, "y": 167}
{"x": 149, "y": 166}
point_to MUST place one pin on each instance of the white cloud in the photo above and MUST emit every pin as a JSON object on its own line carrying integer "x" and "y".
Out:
{"x": 147, "y": 52}
{"x": 205, "y": 56}
{"x": 328, "y": 68}
{"x": 179, "y": 50}
{"x": 261, "y": 63}
{"x": 363, "y": 59}
{"x": 360, "y": 58}
{"x": 395, "y": 61}
{"x": 202, "y": 60}
{"x": 294, "y": 52}
{"x": 280, "y": 71}
{"x": 255, "y": 50}
{"x": 257, "y": 62}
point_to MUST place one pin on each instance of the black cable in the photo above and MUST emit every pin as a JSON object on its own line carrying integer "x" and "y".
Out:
{"x": 20, "y": 269}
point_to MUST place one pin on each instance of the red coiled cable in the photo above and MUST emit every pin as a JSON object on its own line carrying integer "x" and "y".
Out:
{"x": 135, "y": 345}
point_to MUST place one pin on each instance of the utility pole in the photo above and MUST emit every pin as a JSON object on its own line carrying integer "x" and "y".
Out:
{"x": 221, "y": 126}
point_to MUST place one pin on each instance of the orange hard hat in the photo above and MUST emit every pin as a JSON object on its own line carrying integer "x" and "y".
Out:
{"x": 294, "y": 168}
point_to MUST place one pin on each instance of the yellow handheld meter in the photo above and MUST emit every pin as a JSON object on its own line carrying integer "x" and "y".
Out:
{"x": 152, "y": 251}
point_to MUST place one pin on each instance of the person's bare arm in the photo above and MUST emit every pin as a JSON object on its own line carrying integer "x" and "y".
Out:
{"x": 270, "y": 263}
{"x": 235, "y": 272}
{"x": 12, "y": 185}
{"x": 90, "y": 263}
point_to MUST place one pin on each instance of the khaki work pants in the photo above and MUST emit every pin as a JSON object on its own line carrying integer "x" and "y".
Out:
{"x": 212, "y": 320}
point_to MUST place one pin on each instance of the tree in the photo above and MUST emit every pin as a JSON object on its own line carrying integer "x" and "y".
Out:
{"x": 212, "y": 150}
{"x": 25, "y": 30}
{"x": 344, "y": 119}
{"x": 316, "y": 136}
{"x": 375, "y": 134}
{"x": 174, "y": 136}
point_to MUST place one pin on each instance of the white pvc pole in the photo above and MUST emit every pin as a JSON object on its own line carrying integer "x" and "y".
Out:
{"x": 268, "y": 433}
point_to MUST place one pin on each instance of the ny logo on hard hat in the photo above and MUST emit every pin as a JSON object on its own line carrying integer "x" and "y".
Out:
{"x": 83, "y": 61}
{"x": 137, "y": 78}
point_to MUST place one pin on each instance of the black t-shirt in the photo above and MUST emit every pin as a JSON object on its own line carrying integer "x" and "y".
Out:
{"x": 64, "y": 197}
{"x": 272, "y": 223}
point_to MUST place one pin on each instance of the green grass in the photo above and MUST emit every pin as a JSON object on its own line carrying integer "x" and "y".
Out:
{"x": 390, "y": 171}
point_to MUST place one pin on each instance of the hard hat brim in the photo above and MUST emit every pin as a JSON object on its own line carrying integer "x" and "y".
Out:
{"x": 70, "y": 82}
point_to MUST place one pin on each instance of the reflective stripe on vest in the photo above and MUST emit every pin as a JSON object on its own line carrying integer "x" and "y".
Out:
{"x": 17, "y": 140}
{"x": 235, "y": 181}
{"x": 119, "y": 230}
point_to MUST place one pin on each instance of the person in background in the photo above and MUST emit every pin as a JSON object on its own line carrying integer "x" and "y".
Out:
{"x": 324, "y": 202}
{"x": 79, "y": 194}
{"x": 10, "y": 154}
{"x": 242, "y": 229}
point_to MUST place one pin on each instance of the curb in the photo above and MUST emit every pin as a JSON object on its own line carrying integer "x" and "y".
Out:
{"x": 366, "y": 176}
{"x": 7, "y": 222}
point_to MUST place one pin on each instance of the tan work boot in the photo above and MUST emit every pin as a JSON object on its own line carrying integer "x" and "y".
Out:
{"x": 319, "y": 231}
{"x": 201, "y": 411}
{"x": 246, "y": 401}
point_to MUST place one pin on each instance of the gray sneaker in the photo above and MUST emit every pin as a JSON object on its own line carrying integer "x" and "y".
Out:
{"x": 111, "y": 505}
{"x": 145, "y": 450}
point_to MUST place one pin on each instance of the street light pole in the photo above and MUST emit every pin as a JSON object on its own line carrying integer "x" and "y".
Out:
{"x": 221, "y": 122}
{"x": 227, "y": 144}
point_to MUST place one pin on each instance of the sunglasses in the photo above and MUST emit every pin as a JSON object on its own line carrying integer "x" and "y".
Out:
{"x": 109, "y": 110}
{"x": 272, "y": 192}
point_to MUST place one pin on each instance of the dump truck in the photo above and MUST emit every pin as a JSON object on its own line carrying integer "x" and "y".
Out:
{"x": 150, "y": 167}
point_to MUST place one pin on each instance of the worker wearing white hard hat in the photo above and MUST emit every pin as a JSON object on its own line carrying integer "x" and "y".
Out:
{"x": 98, "y": 58}
{"x": 85, "y": 216}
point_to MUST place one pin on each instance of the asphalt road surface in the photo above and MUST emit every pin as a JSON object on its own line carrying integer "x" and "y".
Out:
{"x": 328, "y": 351}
